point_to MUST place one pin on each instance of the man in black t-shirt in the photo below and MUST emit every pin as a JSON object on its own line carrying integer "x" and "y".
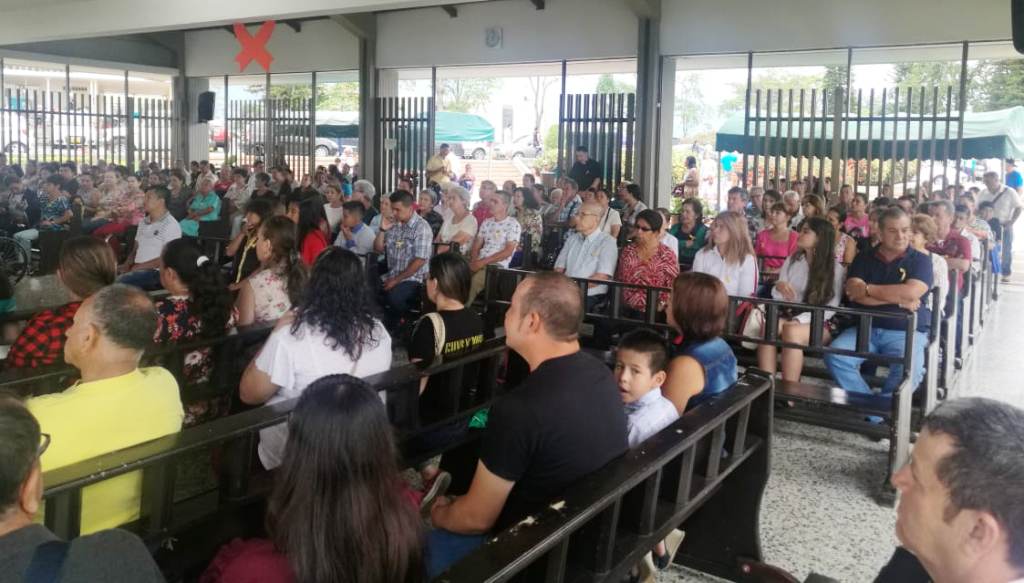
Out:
{"x": 564, "y": 422}
{"x": 29, "y": 551}
{"x": 585, "y": 171}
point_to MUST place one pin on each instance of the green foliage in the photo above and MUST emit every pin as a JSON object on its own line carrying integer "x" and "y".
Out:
{"x": 464, "y": 95}
{"x": 608, "y": 84}
{"x": 329, "y": 96}
{"x": 998, "y": 85}
{"x": 691, "y": 111}
{"x": 549, "y": 157}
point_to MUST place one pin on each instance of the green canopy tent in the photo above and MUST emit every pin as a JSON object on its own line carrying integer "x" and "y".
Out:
{"x": 452, "y": 126}
{"x": 990, "y": 134}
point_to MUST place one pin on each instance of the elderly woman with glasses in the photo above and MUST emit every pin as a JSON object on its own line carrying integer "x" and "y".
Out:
{"x": 646, "y": 262}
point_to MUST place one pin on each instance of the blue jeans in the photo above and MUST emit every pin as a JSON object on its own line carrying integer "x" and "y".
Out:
{"x": 444, "y": 549}
{"x": 399, "y": 300}
{"x": 147, "y": 279}
{"x": 25, "y": 238}
{"x": 1007, "y": 249}
{"x": 846, "y": 369}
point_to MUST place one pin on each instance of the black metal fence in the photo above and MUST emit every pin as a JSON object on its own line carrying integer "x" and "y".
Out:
{"x": 890, "y": 141}
{"x": 404, "y": 137}
{"x": 278, "y": 131}
{"x": 606, "y": 125}
{"x": 53, "y": 126}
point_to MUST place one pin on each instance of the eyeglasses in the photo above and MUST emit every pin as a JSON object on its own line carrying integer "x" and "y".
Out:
{"x": 44, "y": 442}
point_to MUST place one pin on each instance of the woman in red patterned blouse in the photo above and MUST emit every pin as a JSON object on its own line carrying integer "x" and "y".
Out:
{"x": 646, "y": 261}
{"x": 86, "y": 264}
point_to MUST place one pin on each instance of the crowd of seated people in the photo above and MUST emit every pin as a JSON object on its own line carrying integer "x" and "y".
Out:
{"x": 297, "y": 262}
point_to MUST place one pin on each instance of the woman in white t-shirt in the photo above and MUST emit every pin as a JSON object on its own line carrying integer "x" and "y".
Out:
{"x": 924, "y": 231}
{"x": 610, "y": 221}
{"x": 459, "y": 223}
{"x": 333, "y": 331}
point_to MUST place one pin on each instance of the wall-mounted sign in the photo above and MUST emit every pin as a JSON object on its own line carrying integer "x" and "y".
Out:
{"x": 493, "y": 37}
{"x": 254, "y": 48}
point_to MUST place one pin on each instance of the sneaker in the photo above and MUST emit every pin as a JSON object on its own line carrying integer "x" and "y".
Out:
{"x": 1005, "y": 279}
{"x": 435, "y": 488}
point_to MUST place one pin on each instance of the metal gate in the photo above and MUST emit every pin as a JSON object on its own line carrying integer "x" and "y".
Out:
{"x": 889, "y": 141}
{"x": 52, "y": 126}
{"x": 605, "y": 124}
{"x": 404, "y": 138}
{"x": 287, "y": 133}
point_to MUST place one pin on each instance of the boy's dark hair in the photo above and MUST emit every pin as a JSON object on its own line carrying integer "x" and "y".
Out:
{"x": 649, "y": 342}
{"x": 355, "y": 207}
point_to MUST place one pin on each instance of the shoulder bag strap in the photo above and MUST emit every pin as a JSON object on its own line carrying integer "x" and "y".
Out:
{"x": 439, "y": 332}
{"x": 47, "y": 561}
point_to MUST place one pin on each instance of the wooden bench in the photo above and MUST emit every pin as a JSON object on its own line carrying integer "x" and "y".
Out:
{"x": 705, "y": 473}
{"x": 200, "y": 522}
{"x": 819, "y": 404}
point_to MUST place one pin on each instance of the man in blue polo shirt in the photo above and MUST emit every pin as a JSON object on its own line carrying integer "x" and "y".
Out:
{"x": 893, "y": 278}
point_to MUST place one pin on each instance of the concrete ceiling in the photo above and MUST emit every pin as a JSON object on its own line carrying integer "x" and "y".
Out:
{"x": 25, "y": 21}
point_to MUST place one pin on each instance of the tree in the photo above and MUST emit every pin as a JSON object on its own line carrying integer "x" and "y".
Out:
{"x": 331, "y": 96}
{"x": 464, "y": 95}
{"x": 539, "y": 88}
{"x": 607, "y": 83}
{"x": 691, "y": 113}
{"x": 771, "y": 81}
{"x": 997, "y": 85}
{"x": 941, "y": 74}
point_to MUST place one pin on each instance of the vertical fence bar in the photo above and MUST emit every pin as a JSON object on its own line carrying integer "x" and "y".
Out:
{"x": 800, "y": 139}
{"x": 906, "y": 144}
{"x": 824, "y": 141}
{"x": 778, "y": 135}
{"x": 919, "y": 155}
{"x": 945, "y": 142}
{"x": 757, "y": 141}
{"x": 856, "y": 154}
{"x": 746, "y": 123}
{"x": 811, "y": 138}
{"x": 961, "y": 107}
{"x": 881, "y": 144}
{"x": 789, "y": 133}
{"x": 767, "y": 136}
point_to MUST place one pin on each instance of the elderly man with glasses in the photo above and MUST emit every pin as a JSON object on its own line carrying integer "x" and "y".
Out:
{"x": 589, "y": 253}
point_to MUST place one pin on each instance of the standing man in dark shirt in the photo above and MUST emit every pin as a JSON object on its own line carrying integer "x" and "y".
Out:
{"x": 586, "y": 171}
{"x": 564, "y": 422}
{"x": 892, "y": 277}
{"x": 30, "y": 552}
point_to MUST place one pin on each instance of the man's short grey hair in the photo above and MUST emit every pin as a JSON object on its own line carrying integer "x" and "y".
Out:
{"x": 791, "y": 195}
{"x": 366, "y": 187}
{"x": 125, "y": 315}
{"x": 946, "y": 205}
{"x": 985, "y": 470}
{"x": 461, "y": 193}
{"x": 991, "y": 174}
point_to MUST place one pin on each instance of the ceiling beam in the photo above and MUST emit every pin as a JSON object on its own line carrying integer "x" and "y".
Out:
{"x": 295, "y": 25}
{"x": 538, "y": 4}
{"x": 362, "y": 25}
{"x": 450, "y": 10}
{"x": 645, "y": 8}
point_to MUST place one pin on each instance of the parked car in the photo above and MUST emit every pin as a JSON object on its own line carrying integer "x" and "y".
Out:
{"x": 521, "y": 147}
{"x": 294, "y": 141}
{"x": 218, "y": 135}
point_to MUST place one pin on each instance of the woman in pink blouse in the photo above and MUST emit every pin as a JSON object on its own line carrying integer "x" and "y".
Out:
{"x": 126, "y": 209}
{"x": 774, "y": 244}
{"x": 646, "y": 261}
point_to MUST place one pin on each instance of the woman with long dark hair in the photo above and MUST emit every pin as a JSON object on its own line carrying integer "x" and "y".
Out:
{"x": 333, "y": 330}
{"x": 810, "y": 276}
{"x": 526, "y": 210}
{"x": 199, "y": 304}
{"x": 337, "y": 512}
{"x": 279, "y": 282}
{"x": 311, "y": 229}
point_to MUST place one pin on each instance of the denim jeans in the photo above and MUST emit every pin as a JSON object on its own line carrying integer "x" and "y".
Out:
{"x": 399, "y": 300}
{"x": 846, "y": 369}
{"x": 444, "y": 549}
{"x": 147, "y": 279}
{"x": 1007, "y": 250}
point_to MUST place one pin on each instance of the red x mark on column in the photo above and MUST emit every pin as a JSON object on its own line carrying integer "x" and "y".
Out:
{"x": 254, "y": 47}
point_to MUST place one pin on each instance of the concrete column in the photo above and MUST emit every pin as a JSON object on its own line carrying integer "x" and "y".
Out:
{"x": 368, "y": 84}
{"x": 666, "y": 120}
{"x": 648, "y": 69}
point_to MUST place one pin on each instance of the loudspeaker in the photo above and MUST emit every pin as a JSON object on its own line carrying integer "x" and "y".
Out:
{"x": 1017, "y": 20}
{"x": 207, "y": 100}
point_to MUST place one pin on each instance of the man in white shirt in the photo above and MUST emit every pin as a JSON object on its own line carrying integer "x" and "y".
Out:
{"x": 495, "y": 243}
{"x": 960, "y": 494}
{"x": 158, "y": 228}
{"x": 1007, "y": 207}
{"x": 589, "y": 253}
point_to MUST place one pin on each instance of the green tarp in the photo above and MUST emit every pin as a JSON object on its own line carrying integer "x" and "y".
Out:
{"x": 452, "y": 126}
{"x": 992, "y": 134}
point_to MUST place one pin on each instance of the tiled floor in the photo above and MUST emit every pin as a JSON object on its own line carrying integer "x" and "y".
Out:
{"x": 818, "y": 515}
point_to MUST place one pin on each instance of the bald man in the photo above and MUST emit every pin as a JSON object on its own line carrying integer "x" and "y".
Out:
{"x": 589, "y": 253}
